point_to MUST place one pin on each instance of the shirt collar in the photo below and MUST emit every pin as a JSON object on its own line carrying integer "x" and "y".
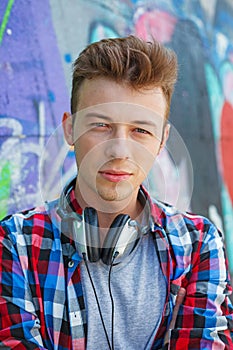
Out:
{"x": 156, "y": 212}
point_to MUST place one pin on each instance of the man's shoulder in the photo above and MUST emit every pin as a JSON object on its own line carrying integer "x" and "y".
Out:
{"x": 37, "y": 220}
{"x": 187, "y": 232}
{"x": 173, "y": 217}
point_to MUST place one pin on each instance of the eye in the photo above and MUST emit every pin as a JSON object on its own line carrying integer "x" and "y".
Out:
{"x": 99, "y": 125}
{"x": 142, "y": 131}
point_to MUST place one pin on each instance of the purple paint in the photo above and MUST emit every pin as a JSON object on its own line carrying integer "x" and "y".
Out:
{"x": 31, "y": 73}
{"x": 31, "y": 69}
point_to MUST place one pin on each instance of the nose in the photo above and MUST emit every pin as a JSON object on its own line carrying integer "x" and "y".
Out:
{"x": 118, "y": 146}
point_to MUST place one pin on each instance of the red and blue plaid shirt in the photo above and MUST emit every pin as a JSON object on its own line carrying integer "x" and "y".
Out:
{"x": 41, "y": 298}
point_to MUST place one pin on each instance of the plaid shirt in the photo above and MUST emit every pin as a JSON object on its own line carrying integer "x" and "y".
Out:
{"x": 41, "y": 299}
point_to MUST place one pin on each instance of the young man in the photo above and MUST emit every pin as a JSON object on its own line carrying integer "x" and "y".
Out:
{"x": 106, "y": 266}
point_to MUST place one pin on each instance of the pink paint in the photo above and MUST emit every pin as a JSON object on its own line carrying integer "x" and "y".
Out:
{"x": 156, "y": 23}
{"x": 226, "y": 146}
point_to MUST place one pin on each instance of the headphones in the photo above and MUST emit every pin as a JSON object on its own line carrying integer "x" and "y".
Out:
{"x": 121, "y": 238}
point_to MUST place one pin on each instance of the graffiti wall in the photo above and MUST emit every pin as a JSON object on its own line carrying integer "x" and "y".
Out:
{"x": 38, "y": 42}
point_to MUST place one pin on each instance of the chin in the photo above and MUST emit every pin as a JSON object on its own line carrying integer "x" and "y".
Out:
{"x": 107, "y": 196}
{"x": 116, "y": 194}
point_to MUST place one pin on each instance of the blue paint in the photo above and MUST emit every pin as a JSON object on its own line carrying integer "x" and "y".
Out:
{"x": 99, "y": 31}
{"x": 178, "y": 4}
{"x": 51, "y": 96}
{"x": 68, "y": 58}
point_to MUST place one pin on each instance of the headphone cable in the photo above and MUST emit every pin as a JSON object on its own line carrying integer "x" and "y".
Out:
{"x": 97, "y": 300}
{"x": 111, "y": 296}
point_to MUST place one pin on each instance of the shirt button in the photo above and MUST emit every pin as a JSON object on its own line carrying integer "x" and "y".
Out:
{"x": 71, "y": 263}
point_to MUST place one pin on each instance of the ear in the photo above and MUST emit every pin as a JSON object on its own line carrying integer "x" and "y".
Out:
{"x": 68, "y": 128}
{"x": 166, "y": 132}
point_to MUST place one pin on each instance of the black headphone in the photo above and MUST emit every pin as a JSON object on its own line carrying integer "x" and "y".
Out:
{"x": 120, "y": 241}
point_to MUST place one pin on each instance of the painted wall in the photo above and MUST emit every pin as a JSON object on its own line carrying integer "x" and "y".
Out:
{"x": 38, "y": 42}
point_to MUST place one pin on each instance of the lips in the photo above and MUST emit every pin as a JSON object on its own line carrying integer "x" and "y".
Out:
{"x": 115, "y": 175}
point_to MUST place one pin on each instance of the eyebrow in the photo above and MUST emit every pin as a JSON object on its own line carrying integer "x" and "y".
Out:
{"x": 98, "y": 115}
{"x": 139, "y": 122}
{"x": 144, "y": 122}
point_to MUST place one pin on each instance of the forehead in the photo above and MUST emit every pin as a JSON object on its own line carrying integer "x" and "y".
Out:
{"x": 102, "y": 91}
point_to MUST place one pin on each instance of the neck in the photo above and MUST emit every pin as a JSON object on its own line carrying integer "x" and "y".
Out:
{"x": 107, "y": 211}
{"x": 134, "y": 211}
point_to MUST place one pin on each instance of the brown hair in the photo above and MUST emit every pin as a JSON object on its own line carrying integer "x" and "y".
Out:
{"x": 131, "y": 60}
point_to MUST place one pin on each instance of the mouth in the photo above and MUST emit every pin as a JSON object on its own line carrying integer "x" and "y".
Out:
{"x": 115, "y": 175}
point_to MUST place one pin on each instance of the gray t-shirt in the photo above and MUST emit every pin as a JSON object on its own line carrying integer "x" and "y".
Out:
{"x": 139, "y": 292}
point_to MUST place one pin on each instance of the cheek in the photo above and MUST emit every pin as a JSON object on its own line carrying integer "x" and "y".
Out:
{"x": 81, "y": 149}
{"x": 144, "y": 155}
{"x": 89, "y": 156}
{"x": 83, "y": 146}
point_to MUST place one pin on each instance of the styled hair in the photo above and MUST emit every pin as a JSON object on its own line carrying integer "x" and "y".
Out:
{"x": 129, "y": 60}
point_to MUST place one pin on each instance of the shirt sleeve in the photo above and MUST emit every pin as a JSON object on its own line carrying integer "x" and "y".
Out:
{"x": 19, "y": 323}
{"x": 205, "y": 317}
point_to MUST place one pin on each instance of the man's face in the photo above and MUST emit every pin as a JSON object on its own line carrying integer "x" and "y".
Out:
{"x": 117, "y": 134}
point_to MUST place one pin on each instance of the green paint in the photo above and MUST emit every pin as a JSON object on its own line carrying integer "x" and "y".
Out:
{"x": 216, "y": 99}
{"x": 5, "y": 18}
{"x": 100, "y": 32}
{"x": 5, "y": 180}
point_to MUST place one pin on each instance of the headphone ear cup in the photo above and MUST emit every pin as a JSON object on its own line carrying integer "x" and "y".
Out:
{"x": 112, "y": 238}
{"x": 92, "y": 234}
